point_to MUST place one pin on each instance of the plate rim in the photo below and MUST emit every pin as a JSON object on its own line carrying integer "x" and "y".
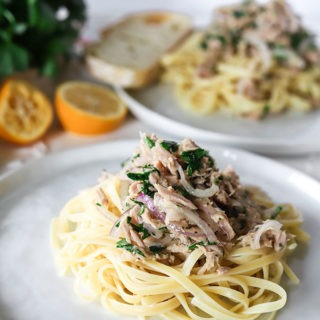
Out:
{"x": 8, "y": 182}
{"x": 261, "y": 145}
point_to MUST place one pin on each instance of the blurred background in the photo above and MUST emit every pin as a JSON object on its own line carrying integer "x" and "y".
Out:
{"x": 52, "y": 33}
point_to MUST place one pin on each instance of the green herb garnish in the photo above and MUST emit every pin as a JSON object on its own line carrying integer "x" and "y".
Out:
{"x": 123, "y": 163}
{"x": 34, "y": 35}
{"x": 193, "y": 159}
{"x": 141, "y": 204}
{"x": 239, "y": 13}
{"x": 204, "y": 45}
{"x": 129, "y": 247}
{"x": 146, "y": 185}
{"x": 171, "y": 146}
{"x": 118, "y": 224}
{"x": 139, "y": 228}
{"x": 276, "y": 212}
{"x": 265, "y": 110}
{"x": 156, "y": 249}
{"x": 136, "y": 176}
{"x": 150, "y": 142}
{"x": 201, "y": 243}
{"x": 98, "y": 204}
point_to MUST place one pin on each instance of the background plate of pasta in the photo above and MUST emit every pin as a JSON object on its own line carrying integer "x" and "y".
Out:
{"x": 148, "y": 247}
{"x": 250, "y": 78}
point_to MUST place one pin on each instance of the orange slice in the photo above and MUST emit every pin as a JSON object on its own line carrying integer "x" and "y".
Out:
{"x": 25, "y": 112}
{"x": 87, "y": 108}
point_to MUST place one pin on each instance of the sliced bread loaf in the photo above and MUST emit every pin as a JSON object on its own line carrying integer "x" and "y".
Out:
{"x": 129, "y": 52}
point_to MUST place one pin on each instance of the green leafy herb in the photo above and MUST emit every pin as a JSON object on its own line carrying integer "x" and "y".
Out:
{"x": 118, "y": 224}
{"x": 146, "y": 185}
{"x": 171, "y": 146}
{"x": 235, "y": 37}
{"x": 150, "y": 142}
{"x": 265, "y": 110}
{"x": 204, "y": 45}
{"x": 298, "y": 38}
{"x": 201, "y": 243}
{"x": 139, "y": 228}
{"x": 156, "y": 249}
{"x": 98, "y": 204}
{"x": 141, "y": 204}
{"x": 129, "y": 247}
{"x": 34, "y": 35}
{"x": 239, "y": 13}
{"x": 123, "y": 163}
{"x": 182, "y": 191}
{"x": 136, "y": 156}
{"x": 193, "y": 159}
{"x": 276, "y": 212}
{"x": 164, "y": 229}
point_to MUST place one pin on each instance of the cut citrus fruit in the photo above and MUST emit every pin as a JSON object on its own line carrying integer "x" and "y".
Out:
{"x": 25, "y": 112}
{"x": 87, "y": 108}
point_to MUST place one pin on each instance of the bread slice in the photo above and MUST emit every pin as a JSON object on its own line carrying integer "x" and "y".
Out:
{"x": 129, "y": 52}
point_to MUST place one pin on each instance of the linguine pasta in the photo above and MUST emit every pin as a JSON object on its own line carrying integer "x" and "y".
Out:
{"x": 253, "y": 61}
{"x": 243, "y": 283}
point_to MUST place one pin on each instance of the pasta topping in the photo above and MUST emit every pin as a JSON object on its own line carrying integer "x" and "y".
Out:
{"x": 178, "y": 200}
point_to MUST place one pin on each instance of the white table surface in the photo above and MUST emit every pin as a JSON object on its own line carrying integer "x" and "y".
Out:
{"x": 100, "y": 13}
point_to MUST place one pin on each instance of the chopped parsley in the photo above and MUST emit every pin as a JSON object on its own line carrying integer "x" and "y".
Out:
{"x": 201, "y": 243}
{"x": 98, "y": 204}
{"x": 170, "y": 146}
{"x": 265, "y": 110}
{"x": 276, "y": 212}
{"x": 239, "y": 14}
{"x": 139, "y": 228}
{"x": 164, "y": 229}
{"x": 208, "y": 36}
{"x": 204, "y": 45}
{"x": 129, "y": 247}
{"x": 118, "y": 224}
{"x": 156, "y": 249}
{"x": 146, "y": 185}
{"x": 123, "y": 163}
{"x": 193, "y": 159}
{"x": 298, "y": 38}
{"x": 150, "y": 142}
{"x": 141, "y": 204}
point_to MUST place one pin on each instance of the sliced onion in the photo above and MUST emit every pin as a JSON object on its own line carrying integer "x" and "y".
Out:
{"x": 194, "y": 218}
{"x": 114, "y": 230}
{"x": 205, "y": 193}
{"x": 267, "y": 225}
{"x": 149, "y": 203}
{"x": 255, "y": 41}
{"x": 178, "y": 229}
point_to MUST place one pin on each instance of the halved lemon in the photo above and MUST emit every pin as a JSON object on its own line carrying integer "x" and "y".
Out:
{"x": 25, "y": 112}
{"x": 88, "y": 109}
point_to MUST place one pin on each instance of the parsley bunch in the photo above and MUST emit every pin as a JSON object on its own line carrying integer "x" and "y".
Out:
{"x": 37, "y": 33}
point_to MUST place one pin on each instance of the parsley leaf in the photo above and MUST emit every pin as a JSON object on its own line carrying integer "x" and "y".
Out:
{"x": 171, "y": 146}
{"x": 150, "y": 142}
{"x": 276, "y": 212}
{"x": 156, "y": 249}
{"x": 129, "y": 247}
{"x": 193, "y": 159}
{"x": 201, "y": 243}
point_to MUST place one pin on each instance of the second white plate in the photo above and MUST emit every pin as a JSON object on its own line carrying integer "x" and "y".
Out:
{"x": 287, "y": 134}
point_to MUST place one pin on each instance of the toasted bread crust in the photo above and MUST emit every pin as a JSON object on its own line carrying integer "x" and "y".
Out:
{"x": 135, "y": 77}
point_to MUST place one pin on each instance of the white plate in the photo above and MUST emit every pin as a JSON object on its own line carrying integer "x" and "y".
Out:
{"x": 290, "y": 133}
{"x": 29, "y": 198}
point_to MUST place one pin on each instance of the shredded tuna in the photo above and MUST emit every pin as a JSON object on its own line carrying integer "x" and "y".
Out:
{"x": 178, "y": 200}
